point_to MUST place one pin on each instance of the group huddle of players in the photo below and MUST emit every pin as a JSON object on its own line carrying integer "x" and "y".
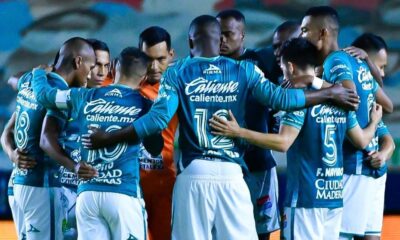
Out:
{"x": 92, "y": 139}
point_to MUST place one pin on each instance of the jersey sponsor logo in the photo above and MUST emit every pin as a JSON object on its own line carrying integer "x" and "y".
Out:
{"x": 202, "y": 85}
{"x": 338, "y": 67}
{"x": 114, "y": 93}
{"x": 104, "y": 107}
{"x": 27, "y": 98}
{"x": 95, "y": 111}
{"x": 199, "y": 88}
{"x": 364, "y": 77}
{"x": 149, "y": 162}
{"x": 328, "y": 114}
{"x": 329, "y": 184}
{"x": 212, "y": 69}
{"x": 108, "y": 174}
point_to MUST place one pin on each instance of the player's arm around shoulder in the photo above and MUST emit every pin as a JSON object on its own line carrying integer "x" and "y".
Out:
{"x": 230, "y": 128}
{"x": 359, "y": 137}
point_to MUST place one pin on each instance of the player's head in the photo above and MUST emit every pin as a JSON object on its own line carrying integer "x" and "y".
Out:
{"x": 232, "y": 30}
{"x": 298, "y": 57}
{"x": 102, "y": 67}
{"x": 284, "y": 32}
{"x": 156, "y": 43}
{"x": 376, "y": 48}
{"x": 76, "y": 59}
{"x": 320, "y": 26}
{"x": 131, "y": 67}
{"x": 204, "y": 36}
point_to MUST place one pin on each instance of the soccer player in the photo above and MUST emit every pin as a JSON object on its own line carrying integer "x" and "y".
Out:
{"x": 60, "y": 138}
{"x": 321, "y": 25}
{"x": 285, "y": 31}
{"x": 36, "y": 185}
{"x": 15, "y": 156}
{"x": 210, "y": 196}
{"x": 262, "y": 180}
{"x": 99, "y": 74}
{"x": 109, "y": 204}
{"x": 313, "y": 203}
{"x": 158, "y": 173}
{"x": 373, "y": 179}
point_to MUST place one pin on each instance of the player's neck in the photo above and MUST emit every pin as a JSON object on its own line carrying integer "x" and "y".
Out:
{"x": 68, "y": 77}
{"x": 332, "y": 47}
{"x": 129, "y": 82}
{"x": 238, "y": 53}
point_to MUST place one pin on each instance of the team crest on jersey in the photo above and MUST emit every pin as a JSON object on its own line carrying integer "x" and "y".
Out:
{"x": 212, "y": 69}
{"x": 114, "y": 93}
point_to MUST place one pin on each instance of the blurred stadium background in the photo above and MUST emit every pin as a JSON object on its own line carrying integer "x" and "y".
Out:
{"x": 32, "y": 31}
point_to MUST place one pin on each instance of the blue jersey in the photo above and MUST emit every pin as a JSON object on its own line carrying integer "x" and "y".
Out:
{"x": 340, "y": 66}
{"x": 201, "y": 87}
{"x": 29, "y": 119}
{"x": 69, "y": 139}
{"x": 110, "y": 108}
{"x": 315, "y": 160}
{"x": 258, "y": 118}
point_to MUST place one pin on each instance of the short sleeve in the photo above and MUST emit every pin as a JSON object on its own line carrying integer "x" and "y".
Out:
{"x": 337, "y": 68}
{"x": 294, "y": 119}
{"x": 351, "y": 120}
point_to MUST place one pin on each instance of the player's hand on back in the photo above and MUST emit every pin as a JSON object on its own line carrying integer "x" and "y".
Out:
{"x": 96, "y": 138}
{"x": 344, "y": 97}
{"x": 85, "y": 171}
{"x": 356, "y": 52}
{"x": 47, "y": 68}
{"x": 376, "y": 113}
{"x": 22, "y": 160}
{"x": 224, "y": 127}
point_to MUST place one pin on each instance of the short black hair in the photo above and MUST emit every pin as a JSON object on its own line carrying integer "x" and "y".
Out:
{"x": 154, "y": 35}
{"x": 288, "y": 25}
{"x": 132, "y": 60}
{"x": 98, "y": 45}
{"x": 233, "y": 13}
{"x": 370, "y": 42}
{"x": 202, "y": 21}
{"x": 324, "y": 11}
{"x": 300, "y": 52}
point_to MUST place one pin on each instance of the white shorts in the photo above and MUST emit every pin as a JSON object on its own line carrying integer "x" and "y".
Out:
{"x": 108, "y": 215}
{"x": 42, "y": 211}
{"x": 69, "y": 216}
{"x": 312, "y": 223}
{"x": 18, "y": 217}
{"x": 363, "y": 201}
{"x": 263, "y": 188}
{"x": 212, "y": 201}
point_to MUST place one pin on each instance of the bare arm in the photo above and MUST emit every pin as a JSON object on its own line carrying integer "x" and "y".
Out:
{"x": 278, "y": 142}
{"x": 362, "y": 137}
{"x": 384, "y": 100}
{"x": 386, "y": 149}
{"x": 49, "y": 143}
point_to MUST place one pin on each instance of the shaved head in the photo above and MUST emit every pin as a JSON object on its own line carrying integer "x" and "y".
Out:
{"x": 73, "y": 48}
{"x": 204, "y": 36}
{"x": 76, "y": 59}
